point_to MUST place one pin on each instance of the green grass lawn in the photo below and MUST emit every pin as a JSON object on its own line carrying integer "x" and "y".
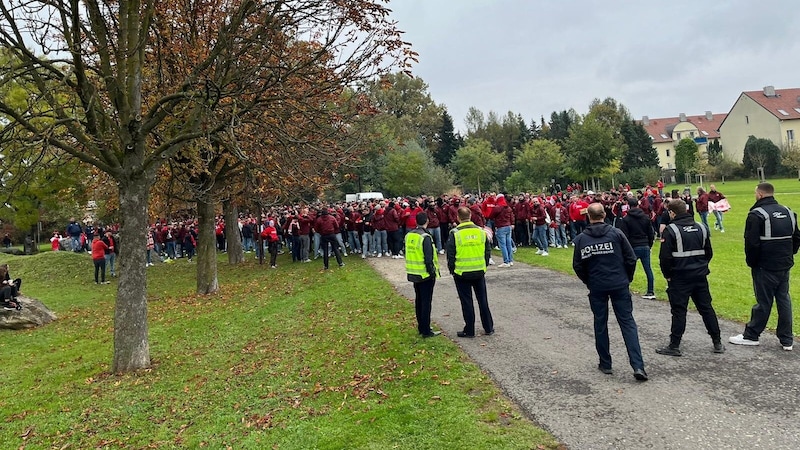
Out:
{"x": 290, "y": 358}
{"x": 730, "y": 281}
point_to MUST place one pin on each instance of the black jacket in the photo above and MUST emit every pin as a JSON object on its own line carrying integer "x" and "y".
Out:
{"x": 695, "y": 237}
{"x": 770, "y": 254}
{"x": 603, "y": 258}
{"x": 637, "y": 228}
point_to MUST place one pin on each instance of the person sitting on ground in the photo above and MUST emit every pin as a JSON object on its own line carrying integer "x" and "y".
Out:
{"x": 9, "y": 290}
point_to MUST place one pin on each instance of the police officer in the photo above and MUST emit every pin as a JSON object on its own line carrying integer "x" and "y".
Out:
{"x": 422, "y": 269}
{"x": 468, "y": 253}
{"x": 771, "y": 239}
{"x": 604, "y": 260}
{"x": 684, "y": 256}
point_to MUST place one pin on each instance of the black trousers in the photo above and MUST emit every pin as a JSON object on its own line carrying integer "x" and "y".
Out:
{"x": 679, "y": 291}
{"x": 422, "y": 304}
{"x": 464, "y": 287}
{"x": 330, "y": 239}
{"x": 99, "y": 266}
{"x": 771, "y": 287}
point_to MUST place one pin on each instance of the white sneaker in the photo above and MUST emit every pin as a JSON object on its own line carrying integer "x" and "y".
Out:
{"x": 545, "y": 254}
{"x": 788, "y": 348}
{"x": 491, "y": 261}
{"x": 441, "y": 252}
{"x": 649, "y": 296}
{"x": 363, "y": 256}
{"x": 740, "y": 340}
{"x": 379, "y": 255}
{"x": 721, "y": 231}
{"x": 539, "y": 252}
{"x": 504, "y": 265}
{"x": 514, "y": 250}
{"x": 511, "y": 263}
{"x": 388, "y": 253}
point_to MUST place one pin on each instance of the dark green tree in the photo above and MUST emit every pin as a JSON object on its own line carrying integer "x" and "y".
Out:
{"x": 761, "y": 152}
{"x": 559, "y": 125}
{"x": 447, "y": 141}
{"x": 686, "y": 157}
{"x": 640, "y": 151}
{"x": 714, "y": 152}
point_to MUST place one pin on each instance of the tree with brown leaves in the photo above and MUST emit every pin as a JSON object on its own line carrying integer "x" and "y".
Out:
{"x": 126, "y": 85}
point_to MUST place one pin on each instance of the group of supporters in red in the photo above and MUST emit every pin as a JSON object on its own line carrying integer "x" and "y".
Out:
{"x": 376, "y": 228}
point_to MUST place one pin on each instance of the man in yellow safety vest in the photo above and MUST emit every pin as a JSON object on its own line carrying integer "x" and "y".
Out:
{"x": 422, "y": 269}
{"x": 468, "y": 253}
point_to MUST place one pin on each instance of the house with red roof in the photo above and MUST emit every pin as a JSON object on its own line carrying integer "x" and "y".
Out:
{"x": 668, "y": 131}
{"x": 770, "y": 113}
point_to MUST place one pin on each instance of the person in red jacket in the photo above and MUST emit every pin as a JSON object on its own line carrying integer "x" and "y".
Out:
{"x": 394, "y": 235}
{"x": 503, "y": 217}
{"x": 327, "y": 226}
{"x": 270, "y": 236}
{"x": 381, "y": 241}
{"x": 539, "y": 219}
{"x": 99, "y": 249}
{"x": 522, "y": 214}
{"x": 701, "y": 203}
{"x": 577, "y": 215}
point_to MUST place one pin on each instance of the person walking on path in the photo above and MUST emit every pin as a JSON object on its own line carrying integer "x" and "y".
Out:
{"x": 468, "y": 251}
{"x": 684, "y": 256}
{"x": 637, "y": 228}
{"x": 771, "y": 239}
{"x": 422, "y": 269}
{"x": 604, "y": 260}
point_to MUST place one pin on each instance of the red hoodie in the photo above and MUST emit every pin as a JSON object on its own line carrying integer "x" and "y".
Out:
{"x": 502, "y": 214}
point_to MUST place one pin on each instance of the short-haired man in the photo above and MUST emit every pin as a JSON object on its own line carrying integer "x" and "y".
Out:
{"x": 468, "y": 251}
{"x": 604, "y": 260}
{"x": 422, "y": 269}
{"x": 684, "y": 256}
{"x": 771, "y": 239}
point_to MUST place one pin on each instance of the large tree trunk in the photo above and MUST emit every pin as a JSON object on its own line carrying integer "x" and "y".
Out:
{"x": 207, "y": 282}
{"x": 233, "y": 237}
{"x": 131, "y": 346}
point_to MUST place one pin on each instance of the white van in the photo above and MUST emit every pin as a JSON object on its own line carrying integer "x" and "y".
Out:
{"x": 361, "y": 196}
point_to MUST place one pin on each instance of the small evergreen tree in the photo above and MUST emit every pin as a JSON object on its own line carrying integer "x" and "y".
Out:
{"x": 714, "y": 152}
{"x": 447, "y": 141}
{"x": 640, "y": 151}
{"x": 686, "y": 157}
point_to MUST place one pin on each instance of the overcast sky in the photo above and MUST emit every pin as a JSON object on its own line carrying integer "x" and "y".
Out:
{"x": 657, "y": 58}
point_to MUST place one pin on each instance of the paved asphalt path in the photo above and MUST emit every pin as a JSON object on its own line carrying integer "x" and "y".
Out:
{"x": 542, "y": 355}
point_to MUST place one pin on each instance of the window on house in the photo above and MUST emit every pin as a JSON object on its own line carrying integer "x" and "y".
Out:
{"x": 783, "y": 113}
{"x": 667, "y": 153}
{"x": 679, "y": 136}
{"x": 705, "y": 133}
{"x": 664, "y": 136}
{"x": 790, "y": 136}
{"x": 691, "y": 133}
{"x": 747, "y": 119}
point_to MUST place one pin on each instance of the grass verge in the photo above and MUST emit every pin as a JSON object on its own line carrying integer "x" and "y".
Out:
{"x": 292, "y": 358}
